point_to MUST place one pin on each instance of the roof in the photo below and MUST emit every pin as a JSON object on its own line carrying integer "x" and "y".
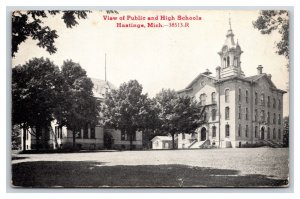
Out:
{"x": 195, "y": 80}
{"x": 100, "y": 87}
{"x": 162, "y": 138}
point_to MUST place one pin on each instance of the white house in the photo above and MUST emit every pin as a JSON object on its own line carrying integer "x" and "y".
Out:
{"x": 90, "y": 137}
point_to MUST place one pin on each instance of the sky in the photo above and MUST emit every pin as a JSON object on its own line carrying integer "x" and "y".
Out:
{"x": 161, "y": 57}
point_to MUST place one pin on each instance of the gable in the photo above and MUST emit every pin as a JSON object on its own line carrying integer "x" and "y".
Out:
{"x": 199, "y": 83}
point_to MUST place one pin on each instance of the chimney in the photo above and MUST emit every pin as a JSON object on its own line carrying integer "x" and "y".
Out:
{"x": 259, "y": 69}
{"x": 218, "y": 72}
{"x": 207, "y": 72}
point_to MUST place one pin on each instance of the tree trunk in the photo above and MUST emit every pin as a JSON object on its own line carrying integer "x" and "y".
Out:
{"x": 131, "y": 138}
{"x": 74, "y": 138}
{"x": 173, "y": 141}
{"x": 24, "y": 138}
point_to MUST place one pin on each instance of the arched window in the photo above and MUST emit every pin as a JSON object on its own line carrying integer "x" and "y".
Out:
{"x": 213, "y": 114}
{"x": 255, "y": 115}
{"x": 239, "y": 130}
{"x": 279, "y": 104}
{"x": 213, "y": 98}
{"x": 239, "y": 112}
{"x": 227, "y": 95}
{"x": 268, "y": 102}
{"x": 279, "y": 119}
{"x": 214, "y": 131}
{"x": 255, "y": 98}
{"x": 202, "y": 99}
{"x": 268, "y": 117}
{"x": 262, "y": 99}
{"x": 246, "y": 131}
{"x": 247, "y": 96}
{"x": 227, "y": 113}
{"x": 227, "y": 130}
{"x": 274, "y": 134}
{"x": 279, "y": 134}
{"x": 256, "y": 132}
{"x": 268, "y": 133}
{"x": 247, "y": 113}
{"x": 228, "y": 61}
{"x": 262, "y": 115}
{"x": 274, "y": 118}
{"x": 274, "y": 103}
{"x": 239, "y": 94}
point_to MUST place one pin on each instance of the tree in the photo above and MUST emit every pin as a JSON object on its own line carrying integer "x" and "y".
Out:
{"x": 127, "y": 109}
{"x": 178, "y": 113}
{"x": 76, "y": 106}
{"x": 275, "y": 20}
{"x": 286, "y": 131}
{"x": 30, "y": 24}
{"x": 34, "y": 90}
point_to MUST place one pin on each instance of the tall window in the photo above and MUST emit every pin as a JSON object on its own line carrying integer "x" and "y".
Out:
{"x": 274, "y": 134}
{"x": 227, "y": 113}
{"x": 93, "y": 132}
{"x": 239, "y": 111}
{"x": 213, "y": 114}
{"x": 247, "y": 96}
{"x": 255, "y": 115}
{"x": 213, "y": 98}
{"x": 227, "y": 95}
{"x": 255, "y": 98}
{"x": 279, "y": 104}
{"x": 56, "y": 131}
{"x": 214, "y": 131}
{"x": 227, "y": 130}
{"x": 247, "y": 113}
{"x": 268, "y": 133}
{"x": 269, "y": 101}
{"x": 262, "y": 115}
{"x": 279, "y": 133}
{"x": 268, "y": 117}
{"x": 239, "y": 130}
{"x": 123, "y": 132}
{"x": 240, "y": 98}
{"x": 246, "y": 131}
{"x": 274, "y": 103}
{"x": 256, "y": 132}
{"x": 202, "y": 99}
{"x": 262, "y": 99}
{"x": 274, "y": 118}
{"x": 279, "y": 119}
{"x": 86, "y": 131}
{"x": 228, "y": 61}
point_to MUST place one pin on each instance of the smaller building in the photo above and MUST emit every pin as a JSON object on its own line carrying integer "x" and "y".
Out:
{"x": 162, "y": 142}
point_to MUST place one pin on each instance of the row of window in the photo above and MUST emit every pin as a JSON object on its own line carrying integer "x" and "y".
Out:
{"x": 227, "y": 132}
{"x": 203, "y": 98}
{"x": 86, "y": 132}
{"x": 263, "y": 119}
{"x": 126, "y": 135}
{"x": 275, "y": 136}
{"x": 262, "y": 101}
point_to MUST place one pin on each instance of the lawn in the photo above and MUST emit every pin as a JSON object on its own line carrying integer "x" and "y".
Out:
{"x": 174, "y": 168}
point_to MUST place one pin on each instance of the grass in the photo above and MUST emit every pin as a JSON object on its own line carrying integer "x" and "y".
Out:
{"x": 95, "y": 174}
{"x": 263, "y": 167}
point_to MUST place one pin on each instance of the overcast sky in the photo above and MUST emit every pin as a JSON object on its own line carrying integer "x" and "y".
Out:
{"x": 161, "y": 57}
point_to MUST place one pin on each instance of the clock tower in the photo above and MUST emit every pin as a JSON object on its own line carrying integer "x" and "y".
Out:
{"x": 230, "y": 55}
